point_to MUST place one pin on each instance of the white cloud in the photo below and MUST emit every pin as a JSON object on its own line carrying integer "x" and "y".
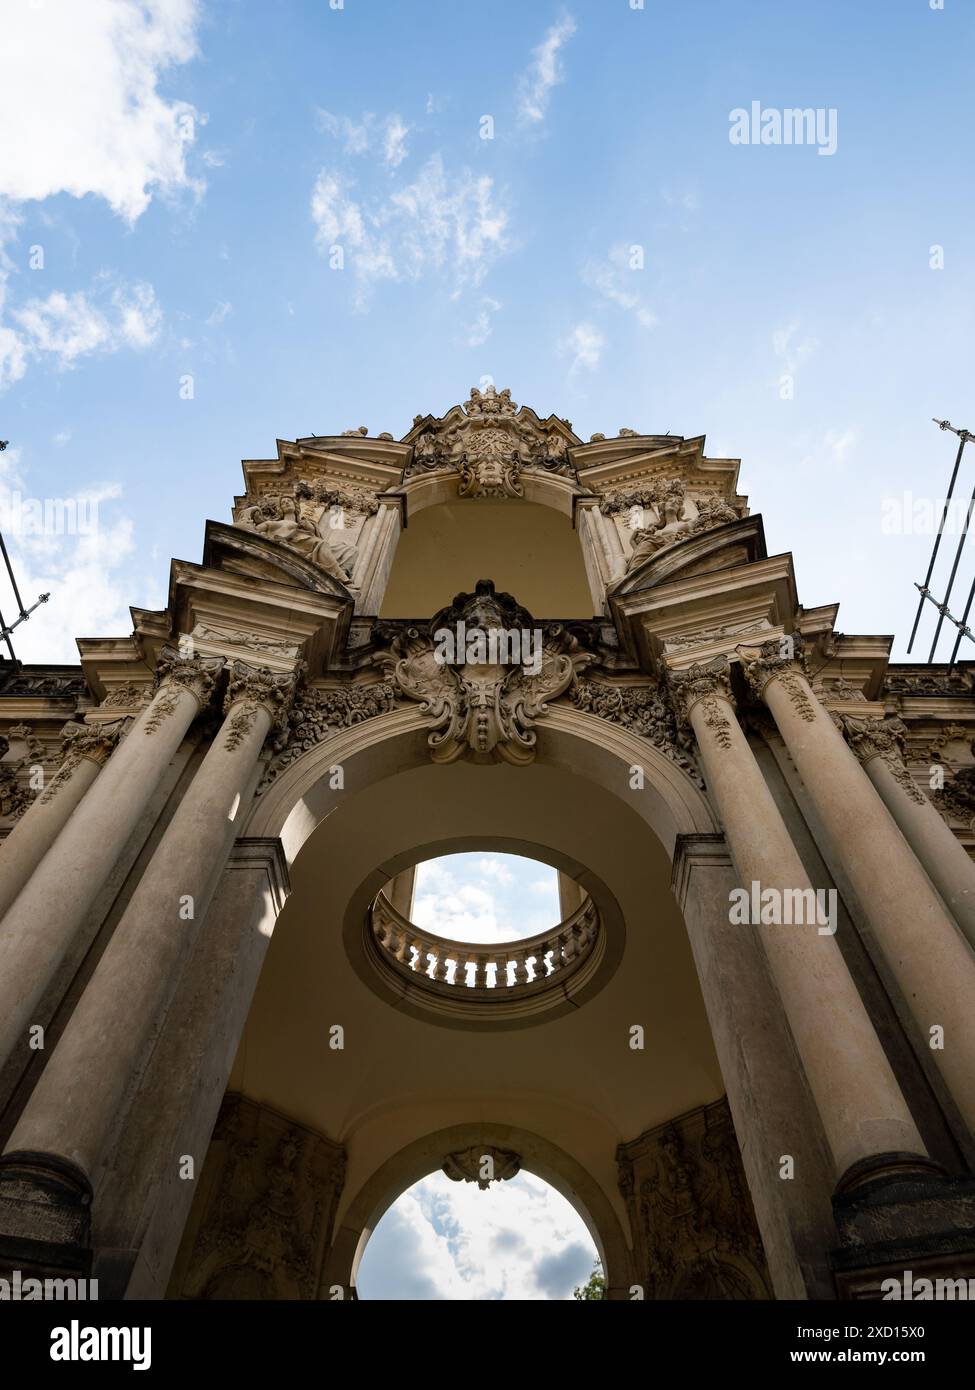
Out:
{"x": 394, "y": 141}
{"x": 221, "y": 311}
{"x": 61, "y": 438}
{"x": 544, "y": 72}
{"x": 355, "y": 136}
{"x": 616, "y": 282}
{"x": 585, "y": 343}
{"x": 440, "y": 223}
{"x": 66, "y": 327}
{"x": 792, "y": 350}
{"x": 519, "y": 1239}
{"x": 75, "y": 560}
{"x": 214, "y": 159}
{"x": 79, "y": 104}
{"x": 480, "y": 329}
{"x": 485, "y": 898}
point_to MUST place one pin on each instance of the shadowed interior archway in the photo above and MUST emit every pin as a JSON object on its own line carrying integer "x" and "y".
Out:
{"x": 426, "y": 1155}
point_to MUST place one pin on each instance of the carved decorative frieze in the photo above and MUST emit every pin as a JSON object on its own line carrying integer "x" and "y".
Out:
{"x": 127, "y": 695}
{"x": 925, "y": 681}
{"x": 837, "y": 690}
{"x": 49, "y": 685}
{"x": 316, "y": 714}
{"x": 21, "y": 778}
{"x": 482, "y": 672}
{"x": 268, "y": 1193}
{"x": 884, "y": 739}
{"x": 956, "y": 799}
{"x": 483, "y": 1164}
{"x": 489, "y": 446}
{"x": 693, "y": 1226}
{"x": 645, "y": 710}
{"x": 664, "y": 515}
{"x": 709, "y": 686}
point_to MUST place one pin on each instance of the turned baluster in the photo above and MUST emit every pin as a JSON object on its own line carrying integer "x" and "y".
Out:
{"x": 501, "y": 977}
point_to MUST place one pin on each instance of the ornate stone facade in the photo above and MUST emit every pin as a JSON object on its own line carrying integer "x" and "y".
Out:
{"x": 145, "y": 909}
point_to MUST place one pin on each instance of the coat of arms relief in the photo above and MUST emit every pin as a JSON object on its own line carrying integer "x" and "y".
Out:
{"x": 490, "y": 445}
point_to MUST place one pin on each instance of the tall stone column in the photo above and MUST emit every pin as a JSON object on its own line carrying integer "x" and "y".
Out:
{"x": 927, "y": 954}
{"x": 865, "y": 1118}
{"x": 72, "y": 1115}
{"x": 85, "y": 751}
{"x": 879, "y": 744}
{"x": 41, "y": 924}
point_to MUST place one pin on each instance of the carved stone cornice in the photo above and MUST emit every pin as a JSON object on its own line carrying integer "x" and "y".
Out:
{"x": 643, "y": 709}
{"x": 470, "y": 1166}
{"x": 884, "y": 739}
{"x": 779, "y": 660}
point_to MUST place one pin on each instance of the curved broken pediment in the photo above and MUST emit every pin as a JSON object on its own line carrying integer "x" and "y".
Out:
{"x": 716, "y": 548}
{"x": 243, "y": 551}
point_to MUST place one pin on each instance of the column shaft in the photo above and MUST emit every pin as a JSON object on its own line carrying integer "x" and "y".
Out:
{"x": 81, "y": 1095}
{"x": 42, "y": 922}
{"x": 859, "y": 1101}
{"x": 927, "y": 954}
{"x": 40, "y": 825}
{"x": 946, "y": 860}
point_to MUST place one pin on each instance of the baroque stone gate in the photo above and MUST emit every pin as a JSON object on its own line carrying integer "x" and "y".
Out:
{"x": 759, "y": 1093}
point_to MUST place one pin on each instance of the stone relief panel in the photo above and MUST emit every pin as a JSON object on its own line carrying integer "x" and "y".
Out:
{"x": 321, "y": 523}
{"x": 693, "y": 1226}
{"x": 661, "y": 513}
{"x": 264, "y": 1211}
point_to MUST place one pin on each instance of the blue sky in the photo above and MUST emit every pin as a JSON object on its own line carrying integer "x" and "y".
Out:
{"x": 485, "y": 898}
{"x": 184, "y": 166}
{"x": 518, "y": 1239}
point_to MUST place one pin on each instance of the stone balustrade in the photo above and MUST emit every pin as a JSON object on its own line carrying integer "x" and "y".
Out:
{"x": 513, "y": 967}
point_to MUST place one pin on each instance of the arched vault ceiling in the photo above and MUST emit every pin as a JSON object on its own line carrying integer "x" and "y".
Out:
{"x": 574, "y": 1080}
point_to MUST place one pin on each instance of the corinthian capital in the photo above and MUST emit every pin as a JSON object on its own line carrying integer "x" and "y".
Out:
{"x": 197, "y": 674}
{"x": 256, "y": 685}
{"x": 700, "y": 682}
{"x": 780, "y": 657}
{"x": 79, "y": 741}
{"x": 884, "y": 739}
